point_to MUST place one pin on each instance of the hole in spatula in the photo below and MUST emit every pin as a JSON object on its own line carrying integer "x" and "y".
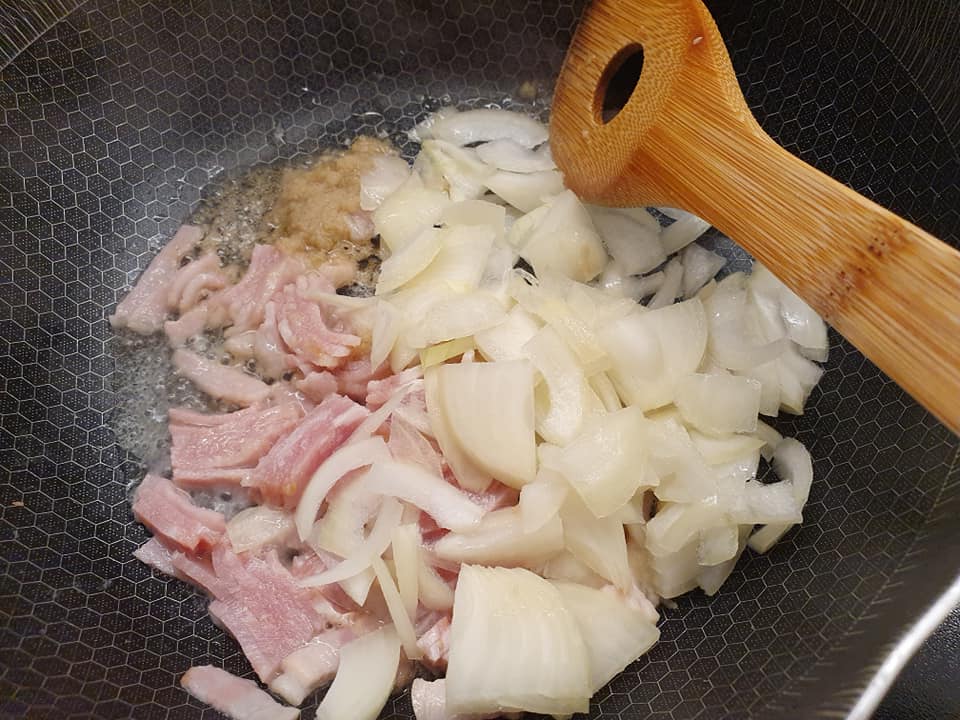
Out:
{"x": 619, "y": 81}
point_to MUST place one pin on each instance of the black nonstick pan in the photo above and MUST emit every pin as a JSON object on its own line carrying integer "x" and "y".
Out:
{"x": 117, "y": 118}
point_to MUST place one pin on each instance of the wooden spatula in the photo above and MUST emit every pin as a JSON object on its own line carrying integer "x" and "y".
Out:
{"x": 687, "y": 139}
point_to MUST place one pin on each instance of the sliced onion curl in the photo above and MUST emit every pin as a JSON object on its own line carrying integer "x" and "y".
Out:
{"x": 699, "y": 267}
{"x": 670, "y": 288}
{"x": 682, "y": 232}
{"x": 719, "y": 404}
{"x": 599, "y": 543}
{"x": 407, "y": 211}
{"x": 635, "y": 246}
{"x": 484, "y": 125}
{"x": 511, "y": 156}
{"x": 793, "y": 464}
{"x": 500, "y": 540}
{"x": 368, "y": 668}
{"x": 387, "y": 174}
{"x": 565, "y": 241}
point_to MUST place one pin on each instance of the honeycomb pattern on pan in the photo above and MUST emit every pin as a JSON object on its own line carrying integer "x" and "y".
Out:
{"x": 114, "y": 121}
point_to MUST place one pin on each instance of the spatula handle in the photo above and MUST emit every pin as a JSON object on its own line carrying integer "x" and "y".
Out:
{"x": 890, "y": 288}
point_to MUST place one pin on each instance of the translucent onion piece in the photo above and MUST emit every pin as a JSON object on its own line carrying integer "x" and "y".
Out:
{"x": 684, "y": 474}
{"x": 408, "y": 262}
{"x": 793, "y": 465}
{"x": 405, "y": 543}
{"x": 378, "y": 417}
{"x": 719, "y": 404}
{"x": 484, "y": 125}
{"x": 407, "y": 211}
{"x": 525, "y": 191}
{"x": 606, "y": 392}
{"x": 606, "y": 463}
{"x": 599, "y": 543}
{"x": 387, "y": 174}
{"x": 567, "y": 567}
{"x": 635, "y": 246}
{"x": 344, "y": 460}
{"x": 718, "y": 544}
{"x": 711, "y": 578}
{"x": 677, "y": 524}
{"x": 476, "y": 212}
{"x": 398, "y": 613}
{"x": 669, "y": 289}
{"x": 565, "y": 241}
{"x": 501, "y": 540}
{"x": 449, "y": 507}
{"x": 372, "y": 547}
{"x": 457, "y": 317}
{"x": 437, "y": 354}
{"x": 462, "y": 171}
{"x": 651, "y": 351}
{"x": 514, "y": 646}
{"x": 429, "y": 700}
{"x": 675, "y": 573}
{"x": 490, "y": 411}
{"x": 770, "y": 437}
{"x": 368, "y": 668}
{"x": 682, "y": 232}
{"x": 459, "y": 265}
{"x": 469, "y": 475}
{"x": 763, "y": 504}
{"x": 512, "y": 156}
{"x": 699, "y": 267}
{"x": 615, "y": 630}
{"x": 540, "y": 501}
{"x": 506, "y": 340}
{"x": 560, "y": 418}
{"x": 387, "y": 325}
{"x": 435, "y": 593}
{"x": 724, "y": 449}
{"x": 258, "y": 526}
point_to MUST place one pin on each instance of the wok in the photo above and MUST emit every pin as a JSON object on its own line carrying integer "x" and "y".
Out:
{"x": 118, "y": 117}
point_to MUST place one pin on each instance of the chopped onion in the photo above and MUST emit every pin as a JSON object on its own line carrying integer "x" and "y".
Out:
{"x": 718, "y": 544}
{"x": 635, "y": 246}
{"x": 387, "y": 174}
{"x": 405, "y": 543}
{"x": 407, "y": 211}
{"x": 387, "y": 326}
{"x": 762, "y": 504}
{"x": 540, "y": 501}
{"x": 711, "y": 578}
{"x": 342, "y": 461}
{"x": 435, "y": 593}
{"x": 500, "y": 540}
{"x": 793, "y": 465}
{"x": 599, "y": 543}
{"x": 459, "y": 265}
{"x": 398, "y": 613}
{"x": 560, "y": 417}
{"x": 651, "y": 351}
{"x": 605, "y": 463}
{"x": 469, "y": 475}
{"x": 731, "y": 345}
{"x": 257, "y": 526}
{"x": 724, "y": 449}
{"x": 362, "y": 556}
{"x": 409, "y": 261}
{"x": 670, "y": 287}
{"x": 675, "y": 573}
{"x": 476, "y": 212}
{"x": 565, "y": 566}
{"x": 514, "y": 646}
{"x": 606, "y": 392}
{"x": 565, "y": 241}
{"x": 682, "y": 232}
{"x": 438, "y": 354}
{"x": 429, "y": 700}
{"x": 506, "y": 340}
{"x": 457, "y": 317}
{"x": 699, "y": 267}
{"x": 616, "y": 631}
{"x": 677, "y": 524}
{"x": 449, "y": 507}
{"x": 490, "y": 411}
{"x": 684, "y": 474}
{"x": 719, "y": 404}
{"x": 462, "y": 171}
{"x": 770, "y": 437}
{"x": 525, "y": 191}
{"x": 512, "y": 156}
{"x": 483, "y": 125}
{"x": 368, "y": 668}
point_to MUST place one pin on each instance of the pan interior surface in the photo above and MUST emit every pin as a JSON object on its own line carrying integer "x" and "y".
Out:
{"x": 116, "y": 120}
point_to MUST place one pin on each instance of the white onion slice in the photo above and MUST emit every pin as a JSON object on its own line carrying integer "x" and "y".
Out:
{"x": 500, "y": 540}
{"x": 525, "y": 191}
{"x": 405, "y": 545}
{"x": 719, "y": 404}
{"x": 476, "y": 212}
{"x": 711, "y": 578}
{"x": 511, "y": 156}
{"x": 257, "y": 526}
{"x": 540, "y": 501}
{"x": 462, "y": 171}
{"x": 458, "y": 267}
{"x": 449, "y": 507}
{"x": 483, "y": 125}
{"x": 699, "y": 267}
{"x": 368, "y": 668}
{"x": 490, "y": 411}
{"x": 669, "y": 289}
{"x": 409, "y": 261}
{"x": 435, "y": 593}
{"x": 506, "y": 340}
{"x": 343, "y": 460}
{"x": 616, "y": 631}
{"x": 523, "y": 655}
{"x": 457, "y": 317}
{"x": 387, "y": 174}
{"x": 564, "y": 241}
{"x": 391, "y": 512}
{"x": 635, "y": 246}
{"x": 560, "y": 417}
{"x": 407, "y": 211}
{"x": 599, "y": 543}
{"x": 682, "y": 232}
{"x": 398, "y": 613}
